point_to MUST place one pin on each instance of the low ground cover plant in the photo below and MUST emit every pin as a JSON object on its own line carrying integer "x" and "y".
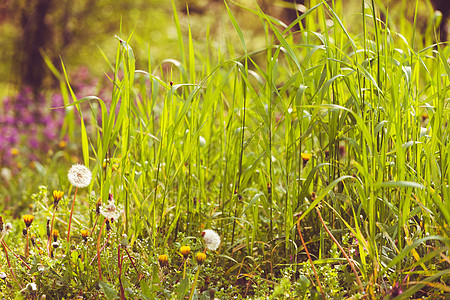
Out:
{"x": 314, "y": 167}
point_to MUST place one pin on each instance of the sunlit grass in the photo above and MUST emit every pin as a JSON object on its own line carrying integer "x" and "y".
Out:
{"x": 351, "y": 124}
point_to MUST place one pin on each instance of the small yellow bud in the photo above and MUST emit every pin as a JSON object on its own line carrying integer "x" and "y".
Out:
{"x": 305, "y": 157}
{"x": 200, "y": 257}
{"x": 57, "y": 196}
{"x": 84, "y": 234}
{"x": 55, "y": 234}
{"x": 28, "y": 219}
{"x": 163, "y": 260}
{"x": 185, "y": 250}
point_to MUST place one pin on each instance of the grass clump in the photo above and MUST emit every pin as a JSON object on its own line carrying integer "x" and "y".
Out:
{"x": 321, "y": 161}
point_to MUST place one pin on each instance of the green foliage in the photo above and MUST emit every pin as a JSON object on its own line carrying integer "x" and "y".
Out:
{"x": 108, "y": 290}
{"x": 217, "y": 139}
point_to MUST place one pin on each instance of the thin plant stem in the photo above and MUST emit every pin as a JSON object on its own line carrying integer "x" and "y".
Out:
{"x": 84, "y": 252}
{"x": 95, "y": 223}
{"x": 27, "y": 250}
{"x": 51, "y": 230}
{"x": 191, "y": 294}
{"x": 309, "y": 257}
{"x": 132, "y": 262}
{"x": 120, "y": 263}
{"x": 16, "y": 255}
{"x": 358, "y": 280}
{"x": 9, "y": 264}
{"x": 71, "y": 213}
{"x": 119, "y": 260}
{"x": 101, "y": 249}
{"x": 98, "y": 251}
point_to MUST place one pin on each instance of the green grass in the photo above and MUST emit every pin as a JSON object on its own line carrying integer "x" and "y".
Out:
{"x": 222, "y": 148}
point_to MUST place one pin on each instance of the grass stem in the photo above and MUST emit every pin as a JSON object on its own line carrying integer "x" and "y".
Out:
{"x": 70, "y": 218}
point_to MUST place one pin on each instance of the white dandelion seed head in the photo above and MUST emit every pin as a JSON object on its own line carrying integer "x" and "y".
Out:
{"x": 32, "y": 287}
{"x": 79, "y": 176}
{"x": 124, "y": 241}
{"x": 8, "y": 227}
{"x": 211, "y": 239}
{"x": 110, "y": 211}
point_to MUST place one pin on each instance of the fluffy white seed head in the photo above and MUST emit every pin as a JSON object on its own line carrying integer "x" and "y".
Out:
{"x": 79, "y": 176}
{"x": 110, "y": 211}
{"x": 8, "y": 227}
{"x": 211, "y": 239}
{"x": 32, "y": 287}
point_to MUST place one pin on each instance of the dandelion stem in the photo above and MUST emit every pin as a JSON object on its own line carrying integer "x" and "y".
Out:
{"x": 195, "y": 283}
{"x": 50, "y": 236}
{"x": 101, "y": 249}
{"x": 15, "y": 254}
{"x": 71, "y": 213}
{"x": 98, "y": 250}
{"x": 132, "y": 262}
{"x": 119, "y": 263}
{"x": 9, "y": 264}
{"x": 309, "y": 257}
{"x": 27, "y": 251}
{"x": 95, "y": 224}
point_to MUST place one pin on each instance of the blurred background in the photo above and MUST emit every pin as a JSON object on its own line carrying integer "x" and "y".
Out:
{"x": 77, "y": 31}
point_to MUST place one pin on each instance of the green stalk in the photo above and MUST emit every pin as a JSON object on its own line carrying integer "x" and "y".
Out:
{"x": 191, "y": 294}
{"x": 98, "y": 251}
{"x": 70, "y": 218}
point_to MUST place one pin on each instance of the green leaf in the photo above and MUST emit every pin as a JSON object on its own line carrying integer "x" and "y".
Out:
{"x": 236, "y": 27}
{"x": 19, "y": 297}
{"x": 146, "y": 291}
{"x": 409, "y": 144}
{"x": 183, "y": 288}
{"x": 252, "y": 202}
{"x": 393, "y": 184}
{"x": 407, "y": 250}
{"x": 108, "y": 290}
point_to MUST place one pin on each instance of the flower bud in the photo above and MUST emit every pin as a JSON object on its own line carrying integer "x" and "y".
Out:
{"x": 185, "y": 250}
{"x": 200, "y": 257}
{"x": 28, "y": 219}
{"x": 55, "y": 235}
{"x": 305, "y": 157}
{"x": 57, "y": 196}
{"x": 84, "y": 235}
{"x": 163, "y": 260}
